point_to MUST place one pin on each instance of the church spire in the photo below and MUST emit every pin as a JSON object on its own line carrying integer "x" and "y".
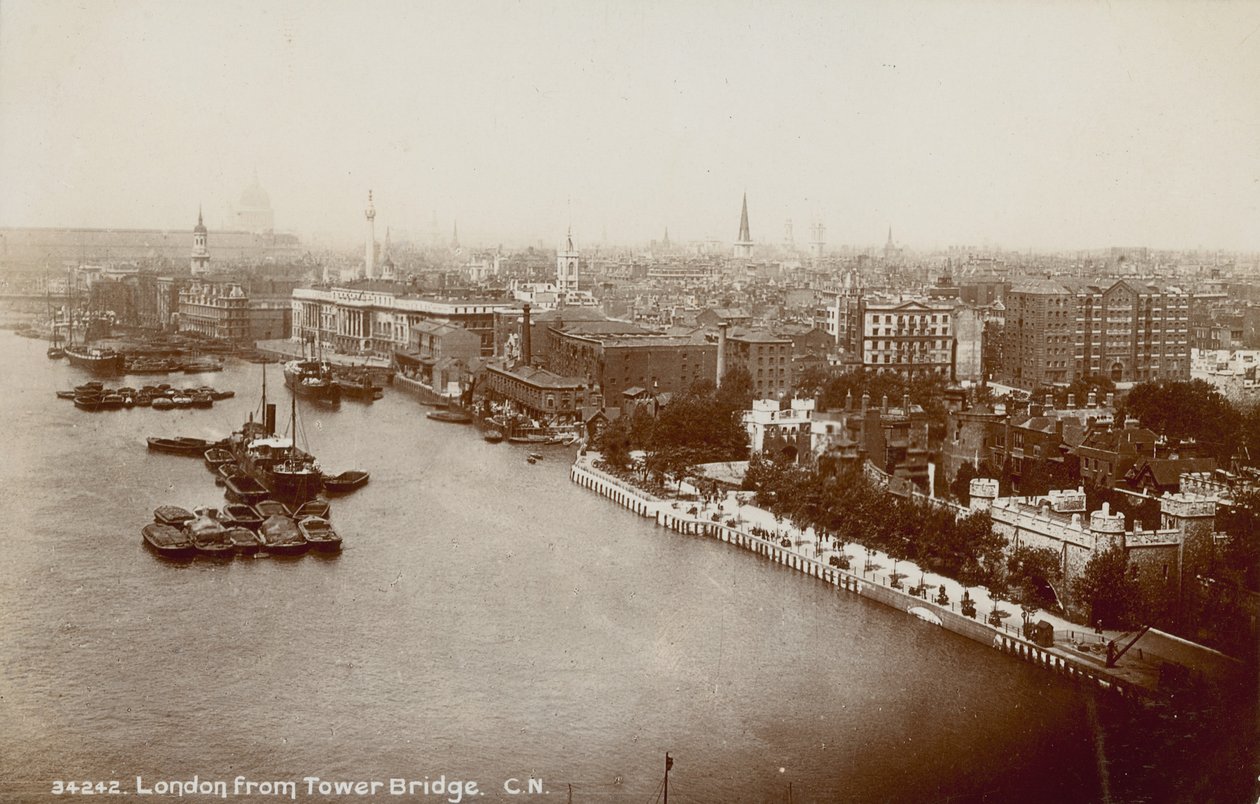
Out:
{"x": 744, "y": 235}
{"x": 744, "y": 245}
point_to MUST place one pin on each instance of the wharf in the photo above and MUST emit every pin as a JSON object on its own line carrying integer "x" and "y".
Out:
{"x": 286, "y": 349}
{"x": 1135, "y": 678}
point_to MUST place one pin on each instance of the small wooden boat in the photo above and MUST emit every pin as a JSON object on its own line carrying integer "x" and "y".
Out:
{"x": 531, "y": 460}
{"x": 226, "y": 470}
{"x": 536, "y": 456}
{"x": 56, "y": 353}
{"x": 219, "y": 396}
{"x": 181, "y": 445}
{"x": 172, "y": 515}
{"x": 345, "y": 481}
{"x": 319, "y": 533}
{"x": 201, "y": 400}
{"x": 111, "y": 402}
{"x": 269, "y": 508}
{"x": 65, "y": 394}
{"x": 243, "y": 488}
{"x": 84, "y": 402}
{"x": 208, "y": 534}
{"x": 318, "y": 508}
{"x": 216, "y": 457}
{"x": 94, "y": 386}
{"x": 280, "y": 536}
{"x": 493, "y": 436}
{"x": 450, "y": 416}
{"x": 162, "y": 403}
{"x": 240, "y": 515}
{"x": 244, "y": 540}
{"x": 168, "y": 541}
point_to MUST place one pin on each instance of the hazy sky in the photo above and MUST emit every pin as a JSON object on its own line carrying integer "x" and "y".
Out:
{"x": 1038, "y": 125}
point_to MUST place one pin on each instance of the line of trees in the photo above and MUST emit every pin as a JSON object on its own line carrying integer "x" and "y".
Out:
{"x": 703, "y": 424}
{"x": 846, "y": 507}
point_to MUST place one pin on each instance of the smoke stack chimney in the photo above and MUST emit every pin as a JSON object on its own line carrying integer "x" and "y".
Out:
{"x": 883, "y": 404}
{"x": 848, "y": 400}
{"x": 721, "y": 355}
{"x": 905, "y": 404}
{"x": 269, "y": 418}
{"x": 866, "y": 400}
{"x": 526, "y": 334}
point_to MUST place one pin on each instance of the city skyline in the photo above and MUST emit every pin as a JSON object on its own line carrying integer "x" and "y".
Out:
{"x": 1030, "y": 126}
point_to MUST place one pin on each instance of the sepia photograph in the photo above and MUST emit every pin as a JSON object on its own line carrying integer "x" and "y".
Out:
{"x": 707, "y": 402}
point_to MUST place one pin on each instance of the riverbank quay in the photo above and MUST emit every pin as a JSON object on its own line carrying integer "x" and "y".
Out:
{"x": 286, "y": 349}
{"x": 1077, "y": 652}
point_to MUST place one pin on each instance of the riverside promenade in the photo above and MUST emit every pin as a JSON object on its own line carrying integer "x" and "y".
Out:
{"x": 1078, "y": 652}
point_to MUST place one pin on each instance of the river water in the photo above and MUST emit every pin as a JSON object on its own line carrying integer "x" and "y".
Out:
{"x": 488, "y": 620}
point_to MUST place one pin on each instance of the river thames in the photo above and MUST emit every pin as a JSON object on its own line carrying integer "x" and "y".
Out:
{"x": 488, "y": 620}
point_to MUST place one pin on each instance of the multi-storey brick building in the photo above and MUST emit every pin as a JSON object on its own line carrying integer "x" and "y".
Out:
{"x": 1059, "y": 331}
{"x": 766, "y": 357}
{"x": 615, "y": 362}
{"x": 215, "y": 310}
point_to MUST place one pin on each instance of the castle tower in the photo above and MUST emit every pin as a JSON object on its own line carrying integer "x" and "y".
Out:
{"x": 369, "y": 254}
{"x": 984, "y": 491}
{"x": 1107, "y": 529}
{"x": 200, "y": 261}
{"x": 567, "y": 266}
{"x": 744, "y": 245}
{"x": 1195, "y": 516}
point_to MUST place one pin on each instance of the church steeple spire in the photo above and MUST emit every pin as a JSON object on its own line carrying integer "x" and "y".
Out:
{"x": 743, "y": 246}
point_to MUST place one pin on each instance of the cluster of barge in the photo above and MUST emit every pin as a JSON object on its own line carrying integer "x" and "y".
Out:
{"x": 268, "y": 528}
{"x": 96, "y": 396}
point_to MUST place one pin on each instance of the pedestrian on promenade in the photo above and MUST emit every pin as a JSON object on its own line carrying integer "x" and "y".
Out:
{"x": 1098, "y": 627}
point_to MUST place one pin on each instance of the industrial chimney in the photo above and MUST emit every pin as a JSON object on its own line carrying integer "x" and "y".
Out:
{"x": 721, "y": 355}
{"x": 525, "y": 337}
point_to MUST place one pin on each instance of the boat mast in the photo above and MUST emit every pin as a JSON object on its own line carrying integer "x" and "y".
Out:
{"x": 669, "y": 763}
{"x": 292, "y": 424}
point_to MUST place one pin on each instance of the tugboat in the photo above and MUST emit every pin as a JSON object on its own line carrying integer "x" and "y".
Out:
{"x": 284, "y": 472}
{"x": 312, "y": 379}
{"x": 359, "y": 387}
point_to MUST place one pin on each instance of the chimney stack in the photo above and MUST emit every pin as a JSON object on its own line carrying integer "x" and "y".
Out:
{"x": 721, "y": 355}
{"x": 905, "y": 404}
{"x": 1092, "y": 400}
{"x": 1071, "y": 401}
{"x": 883, "y": 404}
{"x": 866, "y": 400}
{"x": 848, "y": 400}
{"x": 526, "y": 335}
